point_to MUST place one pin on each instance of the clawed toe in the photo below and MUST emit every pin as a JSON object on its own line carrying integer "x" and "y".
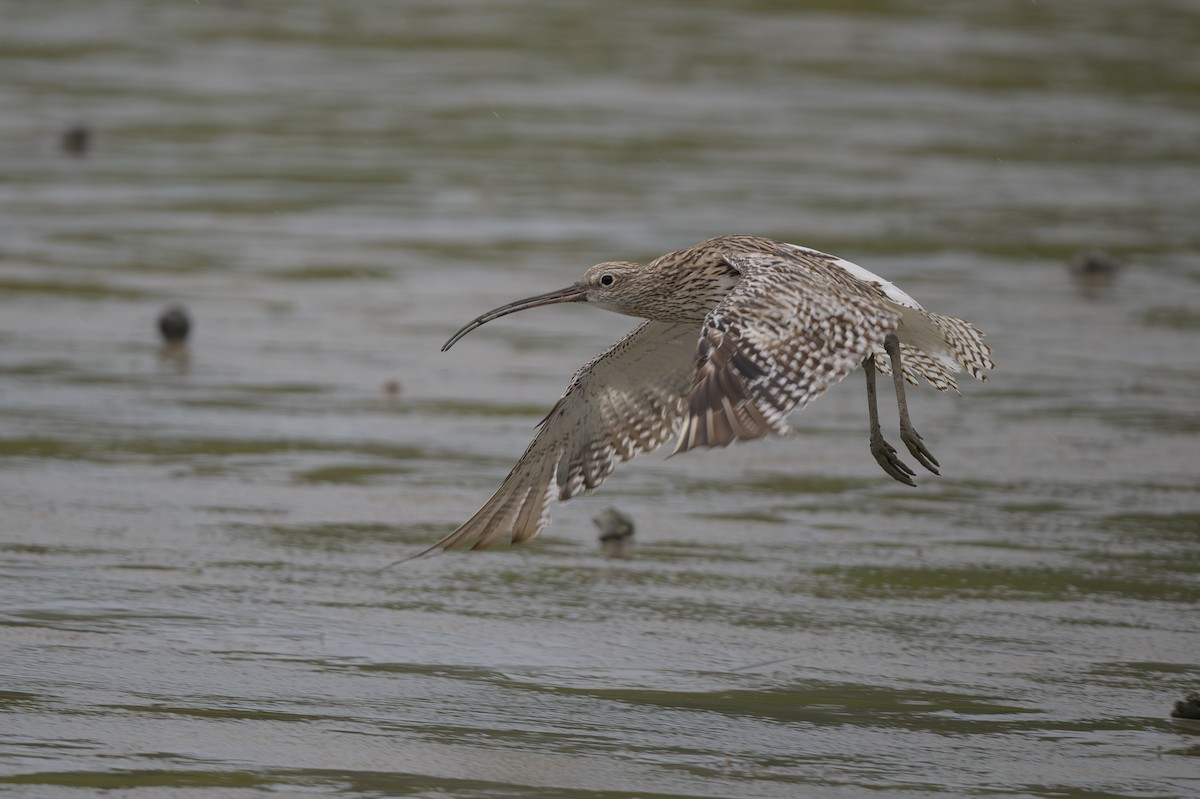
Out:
{"x": 916, "y": 445}
{"x": 885, "y": 455}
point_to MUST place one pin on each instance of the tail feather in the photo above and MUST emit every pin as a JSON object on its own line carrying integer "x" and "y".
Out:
{"x": 936, "y": 347}
{"x": 971, "y": 351}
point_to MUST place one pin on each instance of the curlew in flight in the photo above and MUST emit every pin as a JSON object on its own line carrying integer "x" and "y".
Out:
{"x": 740, "y": 331}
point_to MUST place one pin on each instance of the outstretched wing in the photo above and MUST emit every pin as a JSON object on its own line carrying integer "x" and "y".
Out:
{"x": 785, "y": 334}
{"x": 625, "y": 401}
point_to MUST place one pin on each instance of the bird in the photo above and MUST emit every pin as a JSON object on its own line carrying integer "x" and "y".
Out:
{"x": 738, "y": 332}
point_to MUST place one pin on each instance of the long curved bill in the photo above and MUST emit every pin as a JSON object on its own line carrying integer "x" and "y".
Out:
{"x": 573, "y": 293}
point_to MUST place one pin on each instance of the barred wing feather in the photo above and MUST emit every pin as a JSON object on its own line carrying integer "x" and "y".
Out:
{"x": 784, "y": 335}
{"x": 626, "y": 401}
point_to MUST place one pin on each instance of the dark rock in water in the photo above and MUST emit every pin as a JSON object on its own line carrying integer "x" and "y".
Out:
{"x": 175, "y": 324}
{"x": 616, "y": 533}
{"x": 1187, "y": 708}
{"x": 1095, "y": 263}
{"x": 1092, "y": 271}
{"x": 76, "y": 140}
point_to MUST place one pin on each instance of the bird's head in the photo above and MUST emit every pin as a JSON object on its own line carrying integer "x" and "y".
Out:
{"x": 613, "y": 286}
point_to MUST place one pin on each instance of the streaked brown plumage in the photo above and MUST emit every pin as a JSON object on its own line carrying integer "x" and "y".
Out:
{"x": 741, "y": 331}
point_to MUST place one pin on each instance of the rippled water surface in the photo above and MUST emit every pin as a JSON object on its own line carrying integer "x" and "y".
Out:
{"x": 190, "y": 595}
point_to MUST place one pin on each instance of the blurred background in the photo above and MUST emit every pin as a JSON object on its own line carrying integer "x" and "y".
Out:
{"x": 192, "y": 530}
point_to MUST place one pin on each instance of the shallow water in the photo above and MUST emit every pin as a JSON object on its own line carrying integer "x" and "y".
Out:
{"x": 190, "y": 593}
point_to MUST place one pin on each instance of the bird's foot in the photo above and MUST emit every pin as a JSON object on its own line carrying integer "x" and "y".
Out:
{"x": 885, "y": 455}
{"x": 916, "y": 445}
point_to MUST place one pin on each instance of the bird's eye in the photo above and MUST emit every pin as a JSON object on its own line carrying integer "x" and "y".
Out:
{"x": 607, "y": 280}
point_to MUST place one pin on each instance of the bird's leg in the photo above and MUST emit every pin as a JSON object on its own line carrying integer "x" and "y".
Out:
{"x": 908, "y": 433}
{"x": 885, "y": 453}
